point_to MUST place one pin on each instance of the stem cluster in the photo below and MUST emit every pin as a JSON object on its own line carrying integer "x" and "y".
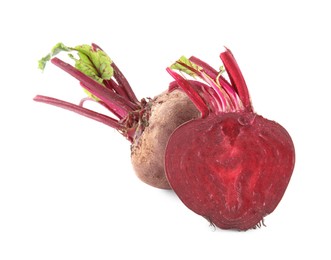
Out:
{"x": 114, "y": 93}
{"x": 215, "y": 93}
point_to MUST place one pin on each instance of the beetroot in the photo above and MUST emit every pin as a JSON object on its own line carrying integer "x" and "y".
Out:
{"x": 147, "y": 123}
{"x": 231, "y": 165}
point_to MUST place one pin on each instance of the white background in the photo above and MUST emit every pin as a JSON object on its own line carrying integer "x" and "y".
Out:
{"x": 67, "y": 189}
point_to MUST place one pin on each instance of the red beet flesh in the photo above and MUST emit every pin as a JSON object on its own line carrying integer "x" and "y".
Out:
{"x": 233, "y": 169}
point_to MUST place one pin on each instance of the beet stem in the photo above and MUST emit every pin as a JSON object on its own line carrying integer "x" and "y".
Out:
{"x": 122, "y": 81}
{"x": 219, "y": 79}
{"x": 192, "y": 94}
{"x": 79, "y": 110}
{"x": 113, "y": 100}
{"x": 209, "y": 70}
{"x": 111, "y": 84}
{"x": 236, "y": 78}
{"x": 225, "y": 102}
{"x": 123, "y": 88}
{"x": 83, "y": 100}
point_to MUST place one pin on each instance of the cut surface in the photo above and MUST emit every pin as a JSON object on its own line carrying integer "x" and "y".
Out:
{"x": 232, "y": 169}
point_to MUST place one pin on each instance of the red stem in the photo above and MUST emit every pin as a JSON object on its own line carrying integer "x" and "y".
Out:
{"x": 123, "y": 87}
{"x": 210, "y": 71}
{"x": 101, "y": 103}
{"x": 79, "y": 110}
{"x": 111, "y": 99}
{"x": 112, "y": 85}
{"x": 122, "y": 81}
{"x": 236, "y": 78}
{"x": 191, "y": 92}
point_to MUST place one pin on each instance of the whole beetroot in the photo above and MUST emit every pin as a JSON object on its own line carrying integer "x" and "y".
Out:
{"x": 147, "y": 124}
{"x": 231, "y": 165}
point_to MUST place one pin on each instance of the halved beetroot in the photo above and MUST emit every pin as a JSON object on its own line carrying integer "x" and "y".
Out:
{"x": 230, "y": 166}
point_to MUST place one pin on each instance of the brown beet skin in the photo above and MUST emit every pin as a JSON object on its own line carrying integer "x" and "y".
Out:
{"x": 169, "y": 110}
{"x": 232, "y": 168}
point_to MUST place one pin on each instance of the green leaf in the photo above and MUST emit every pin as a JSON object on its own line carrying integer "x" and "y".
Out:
{"x": 42, "y": 62}
{"x": 222, "y": 69}
{"x": 55, "y": 50}
{"x": 93, "y": 62}
{"x": 84, "y": 65}
{"x": 186, "y": 69}
{"x": 96, "y": 58}
{"x": 58, "y": 48}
